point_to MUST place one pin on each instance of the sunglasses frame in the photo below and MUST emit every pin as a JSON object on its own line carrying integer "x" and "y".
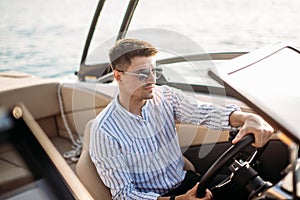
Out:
{"x": 143, "y": 77}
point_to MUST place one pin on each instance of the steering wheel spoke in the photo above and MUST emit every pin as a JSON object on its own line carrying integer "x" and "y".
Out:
{"x": 235, "y": 166}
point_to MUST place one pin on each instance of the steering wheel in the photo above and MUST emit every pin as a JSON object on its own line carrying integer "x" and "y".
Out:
{"x": 223, "y": 161}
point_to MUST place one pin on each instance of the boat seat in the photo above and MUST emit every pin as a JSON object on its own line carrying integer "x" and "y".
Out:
{"x": 13, "y": 170}
{"x": 87, "y": 173}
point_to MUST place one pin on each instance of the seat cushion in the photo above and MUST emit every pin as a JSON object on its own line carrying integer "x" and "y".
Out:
{"x": 13, "y": 171}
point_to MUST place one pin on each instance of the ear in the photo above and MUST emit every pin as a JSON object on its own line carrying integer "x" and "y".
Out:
{"x": 117, "y": 75}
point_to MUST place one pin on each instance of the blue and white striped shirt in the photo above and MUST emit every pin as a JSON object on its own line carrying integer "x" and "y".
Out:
{"x": 139, "y": 157}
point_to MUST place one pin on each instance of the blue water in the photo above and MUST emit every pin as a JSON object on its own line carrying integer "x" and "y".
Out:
{"x": 46, "y": 38}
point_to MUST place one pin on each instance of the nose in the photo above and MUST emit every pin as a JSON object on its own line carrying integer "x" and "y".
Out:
{"x": 152, "y": 77}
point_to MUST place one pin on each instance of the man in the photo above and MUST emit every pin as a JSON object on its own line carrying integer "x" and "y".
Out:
{"x": 134, "y": 144}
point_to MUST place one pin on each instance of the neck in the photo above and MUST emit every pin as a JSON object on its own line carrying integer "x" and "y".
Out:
{"x": 132, "y": 104}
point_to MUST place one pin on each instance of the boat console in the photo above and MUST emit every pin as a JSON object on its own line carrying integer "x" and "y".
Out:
{"x": 256, "y": 79}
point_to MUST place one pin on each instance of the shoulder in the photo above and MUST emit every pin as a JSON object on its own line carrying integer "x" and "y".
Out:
{"x": 168, "y": 92}
{"x": 165, "y": 90}
{"x": 104, "y": 117}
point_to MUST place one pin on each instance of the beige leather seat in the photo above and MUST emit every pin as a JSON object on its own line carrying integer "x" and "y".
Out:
{"x": 87, "y": 172}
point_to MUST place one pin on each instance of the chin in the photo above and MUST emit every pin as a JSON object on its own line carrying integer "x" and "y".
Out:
{"x": 150, "y": 96}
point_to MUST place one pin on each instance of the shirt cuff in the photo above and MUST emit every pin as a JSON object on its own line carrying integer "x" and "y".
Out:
{"x": 228, "y": 110}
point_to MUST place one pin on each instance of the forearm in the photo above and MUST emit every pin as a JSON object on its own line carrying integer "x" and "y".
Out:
{"x": 238, "y": 118}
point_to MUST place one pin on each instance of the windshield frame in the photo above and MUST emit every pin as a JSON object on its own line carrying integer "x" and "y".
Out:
{"x": 121, "y": 34}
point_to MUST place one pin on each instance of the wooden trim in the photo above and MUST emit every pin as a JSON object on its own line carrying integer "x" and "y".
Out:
{"x": 76, "y": 187}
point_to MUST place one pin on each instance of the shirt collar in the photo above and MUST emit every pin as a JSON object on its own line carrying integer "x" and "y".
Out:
{"x": 144, "y": 116}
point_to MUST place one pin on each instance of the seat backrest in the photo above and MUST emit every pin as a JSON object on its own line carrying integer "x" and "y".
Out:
{"x": 87, "y": 173}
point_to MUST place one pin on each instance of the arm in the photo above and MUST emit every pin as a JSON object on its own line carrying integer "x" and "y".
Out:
{"x": 251, "y": 123}
{"x": 189, "y": 109}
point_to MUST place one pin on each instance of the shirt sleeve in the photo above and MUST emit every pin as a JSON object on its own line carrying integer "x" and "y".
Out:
{"x": 112, "y": 169}
{"x": 189, "y": 109}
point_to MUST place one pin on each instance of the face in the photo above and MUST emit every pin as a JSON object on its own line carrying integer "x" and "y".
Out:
{"x": 135, "y": 86}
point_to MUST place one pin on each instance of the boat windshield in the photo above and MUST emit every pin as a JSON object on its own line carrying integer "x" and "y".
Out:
{"x": 180, "y": 28}
{"x": 213, "y": 25}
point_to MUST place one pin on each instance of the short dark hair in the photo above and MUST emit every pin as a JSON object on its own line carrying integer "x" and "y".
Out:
{"x": 124, "y": 50}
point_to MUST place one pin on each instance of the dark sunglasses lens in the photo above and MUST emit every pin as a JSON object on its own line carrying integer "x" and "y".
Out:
{"x": 143, "y": 77}
{"x": 158, "y": 72}
{"x": 144, "y": 74}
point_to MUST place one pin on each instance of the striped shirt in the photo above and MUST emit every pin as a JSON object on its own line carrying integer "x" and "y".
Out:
{"x": 139, "y": 157}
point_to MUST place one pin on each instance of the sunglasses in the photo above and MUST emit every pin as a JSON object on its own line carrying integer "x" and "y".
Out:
{"x": 144, "y": 74}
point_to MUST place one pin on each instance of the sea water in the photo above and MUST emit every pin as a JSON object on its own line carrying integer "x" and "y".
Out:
{"x": 46, "y": 38}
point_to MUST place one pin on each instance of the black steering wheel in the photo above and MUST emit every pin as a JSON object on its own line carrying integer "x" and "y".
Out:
{"x": 223, "y": 160}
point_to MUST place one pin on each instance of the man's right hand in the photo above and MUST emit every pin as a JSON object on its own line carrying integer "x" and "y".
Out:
{"x": 191, "y": 195}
